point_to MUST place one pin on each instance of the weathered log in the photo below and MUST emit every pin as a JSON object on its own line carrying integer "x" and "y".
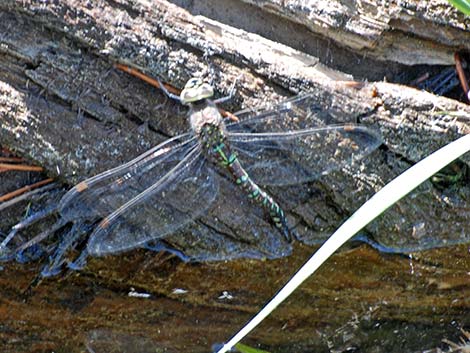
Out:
{"x": 65, "y": 107}
{"x": 411, "y": 33}
{"x": 82, "y": 82}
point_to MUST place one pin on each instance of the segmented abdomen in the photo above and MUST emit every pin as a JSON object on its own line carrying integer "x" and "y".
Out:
{"x": 215, "y": 146}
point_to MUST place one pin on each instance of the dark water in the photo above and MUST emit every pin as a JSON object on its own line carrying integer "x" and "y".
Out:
{"x": 359, "y": 301}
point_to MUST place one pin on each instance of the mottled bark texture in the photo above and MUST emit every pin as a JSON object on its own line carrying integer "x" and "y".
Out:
{"x": 65, "y": 107}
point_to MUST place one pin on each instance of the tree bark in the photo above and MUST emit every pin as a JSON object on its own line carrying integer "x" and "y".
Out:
{"x": 65, "y": 106}
{"x": 411, "y": 33}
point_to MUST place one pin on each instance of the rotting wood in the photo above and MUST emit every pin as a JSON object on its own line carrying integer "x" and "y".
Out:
{"x": 66, "y": 108}
{"x": 409, "y": 32}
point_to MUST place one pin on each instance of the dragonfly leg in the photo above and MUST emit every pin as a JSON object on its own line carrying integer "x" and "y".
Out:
{"x": 231, "y": 92}
{"x": 168, "y": 93}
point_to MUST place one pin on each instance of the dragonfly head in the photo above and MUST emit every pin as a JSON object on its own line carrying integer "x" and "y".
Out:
{"x": 196, "y": 90}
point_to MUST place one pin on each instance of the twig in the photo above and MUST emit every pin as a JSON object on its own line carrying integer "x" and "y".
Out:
{"x": 4, "y": 205}
{"x": 24, "y": 189}
{"x": 169, "y": 88}
{"x": 145, "y": 78}
{"x": 20, "y": 167}
{"x": 462, "y": 77}
{"x": 10, "y": 159}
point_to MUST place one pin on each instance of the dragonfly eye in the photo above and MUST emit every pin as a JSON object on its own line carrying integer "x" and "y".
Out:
{"x": 196, "y": 90}
{"x": 193, "y": 82}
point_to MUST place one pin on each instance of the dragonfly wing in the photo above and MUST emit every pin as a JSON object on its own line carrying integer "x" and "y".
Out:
{"x": 293, "y": 157}
{"x": 182, "y": 194}
{"x": 294, "y": 142}
{"x": 297, "y": 113}
{"x": 102, "y": 194}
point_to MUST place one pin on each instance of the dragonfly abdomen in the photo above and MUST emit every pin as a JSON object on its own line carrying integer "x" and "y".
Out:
{"x": 258, "y": 195}
{"x": 215, "y": 144}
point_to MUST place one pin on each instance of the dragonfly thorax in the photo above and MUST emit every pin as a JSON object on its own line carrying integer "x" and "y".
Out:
{"x": 202, "y": 113}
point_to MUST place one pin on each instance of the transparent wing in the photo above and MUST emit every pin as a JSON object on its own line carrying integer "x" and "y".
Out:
{"x": 282, "y": 147}
{"x": 296, "y": 113}
{"x": 300, "y": 156}
{"x": 102, "y": 194}
{"x": 182, "y": 194}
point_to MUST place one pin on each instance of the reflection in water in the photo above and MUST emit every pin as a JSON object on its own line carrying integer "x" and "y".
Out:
{"x": 354, "y": 336}
{"x": 463, "y": 346}
{"x": 106, "y": 341}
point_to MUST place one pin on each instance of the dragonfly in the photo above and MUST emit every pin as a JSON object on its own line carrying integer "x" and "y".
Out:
{"x": 175, "y": 182}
